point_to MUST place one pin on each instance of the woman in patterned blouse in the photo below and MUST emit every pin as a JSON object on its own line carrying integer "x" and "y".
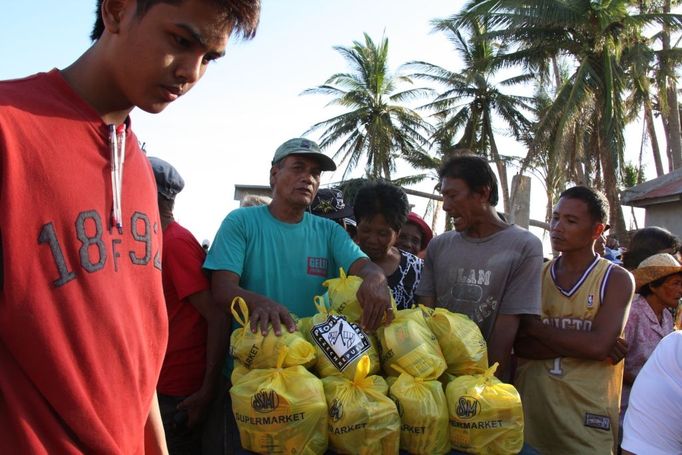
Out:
{"x": 659, "y": 289}
{"x": 380, "y": 212}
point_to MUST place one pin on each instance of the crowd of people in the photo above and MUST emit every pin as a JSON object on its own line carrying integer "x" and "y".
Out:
{"x": 115, "y": 320}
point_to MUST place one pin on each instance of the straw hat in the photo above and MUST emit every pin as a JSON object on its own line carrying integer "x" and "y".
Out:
{"x": 655, "y": 267}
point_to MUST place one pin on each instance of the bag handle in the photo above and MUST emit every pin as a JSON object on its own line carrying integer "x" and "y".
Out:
{"x": 243, "y": 307}
{"x": 281, "y": 355}
{"x": 399, "y": 369}
{"x": 361, "y": 369}
{"x": 342, "y": 277}
{"x": 320, "y": 304}
{"x": 490, "y": 372}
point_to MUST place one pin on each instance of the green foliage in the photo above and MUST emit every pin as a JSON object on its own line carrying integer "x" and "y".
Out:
{"x": 377, "y": 125}
{"x": 587, "y": 114}
{"x": 632, "y": 175}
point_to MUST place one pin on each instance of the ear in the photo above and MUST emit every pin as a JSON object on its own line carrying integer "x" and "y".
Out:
{"x": 484, "y": 192}
{"x": 273, "y": 174}
{"x": 598, "y": 230}
{"x": 113, "y": 12}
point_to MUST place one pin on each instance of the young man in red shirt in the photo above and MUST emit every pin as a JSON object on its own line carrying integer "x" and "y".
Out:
{"x": 83, "y": 325}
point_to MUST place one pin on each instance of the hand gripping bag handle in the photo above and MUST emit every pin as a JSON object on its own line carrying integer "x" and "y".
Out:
{"x": 243, "y": 307}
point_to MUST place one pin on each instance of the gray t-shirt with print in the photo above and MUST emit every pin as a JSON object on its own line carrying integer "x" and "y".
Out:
{"x": 481, "y": 277}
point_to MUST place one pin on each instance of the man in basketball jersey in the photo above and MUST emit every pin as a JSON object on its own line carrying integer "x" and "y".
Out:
{"x": 569, "y": 374}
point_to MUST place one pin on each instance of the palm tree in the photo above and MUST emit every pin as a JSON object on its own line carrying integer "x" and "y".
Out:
{"x": 640, "y": 65}
{"x": 377, "y": 125}
{"x": 472, "y": 99}
{"x": 593, "y": 33}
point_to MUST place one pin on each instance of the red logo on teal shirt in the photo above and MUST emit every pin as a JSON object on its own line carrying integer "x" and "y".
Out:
{"x": 317, "y": 266}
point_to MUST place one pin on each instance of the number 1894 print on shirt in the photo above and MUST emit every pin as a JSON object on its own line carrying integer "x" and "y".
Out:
{"x": 341, "y": 341}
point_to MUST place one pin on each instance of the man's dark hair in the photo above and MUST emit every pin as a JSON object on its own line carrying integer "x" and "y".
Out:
{"x": 382, "y": 198}
{"x": 475, "y": 171}
{"x": 243, "y": 14}
{"x": 597, "y": 205}
{"x": 647, "y": 242}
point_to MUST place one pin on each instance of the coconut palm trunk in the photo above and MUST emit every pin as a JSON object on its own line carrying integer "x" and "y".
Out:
{"x": 653, "y": 138}
{"x": 672, "y": 124}
{"x": 501, "y": 171}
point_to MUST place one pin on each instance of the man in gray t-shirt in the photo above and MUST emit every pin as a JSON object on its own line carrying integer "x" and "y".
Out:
{"x": 486, "y": 268}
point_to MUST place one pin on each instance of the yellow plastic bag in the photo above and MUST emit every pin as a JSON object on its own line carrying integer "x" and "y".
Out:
{"x": 281, "y": 410}
{"x": 342, "y": 295}
{"x": 303, "y": 325}
{"x": 340, "y": 344}
{"x": 423, "y": 414}
{"x": 486, "y": 416}
{"x": 238, "y": 372}
{"x": 254, "y": 350}
{"x": 460, "y": 340}
{"x": 362, "y": 419}
{"x": 409, "y": 344}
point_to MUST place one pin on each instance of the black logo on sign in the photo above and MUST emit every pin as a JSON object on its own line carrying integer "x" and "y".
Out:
{"x": 336, "y": 411}
{"x": 467, "y": 407}
{"x": 265, "y": 401}
{"x": 341, "y": 341}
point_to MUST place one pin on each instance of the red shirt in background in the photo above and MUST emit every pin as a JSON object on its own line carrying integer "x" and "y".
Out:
{"x": 185, "y": 363}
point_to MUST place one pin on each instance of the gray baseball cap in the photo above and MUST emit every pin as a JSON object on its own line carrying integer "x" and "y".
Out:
{"x": 168, "y": 179}
{"x": 303, "y": 146}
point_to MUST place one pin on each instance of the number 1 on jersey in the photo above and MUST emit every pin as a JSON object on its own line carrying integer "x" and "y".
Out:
{"x": 556, "y": 368}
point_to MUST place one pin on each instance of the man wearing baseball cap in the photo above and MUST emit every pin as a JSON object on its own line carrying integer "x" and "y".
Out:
{"x": 277, "y": 256}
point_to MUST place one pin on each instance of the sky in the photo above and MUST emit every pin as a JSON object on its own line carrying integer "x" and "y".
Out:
{"x": 225, "y": 131}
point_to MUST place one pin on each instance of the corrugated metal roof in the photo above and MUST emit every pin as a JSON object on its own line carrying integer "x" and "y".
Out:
{"x": 664, "y": 187}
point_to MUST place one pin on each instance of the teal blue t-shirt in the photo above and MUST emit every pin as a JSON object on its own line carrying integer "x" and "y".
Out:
{"x": 285, "y": 262}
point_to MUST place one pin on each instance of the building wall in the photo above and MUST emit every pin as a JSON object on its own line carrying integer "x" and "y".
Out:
{"x": 667, "y": 215}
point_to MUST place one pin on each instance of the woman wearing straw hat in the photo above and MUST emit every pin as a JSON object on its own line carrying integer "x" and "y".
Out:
{"x": 658, "y": 281}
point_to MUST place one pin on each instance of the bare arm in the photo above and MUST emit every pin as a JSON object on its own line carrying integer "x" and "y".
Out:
{"x": 154, "y": 436}
{"x": 374, "y": 295}
{"x": 501, "y": 343}
{"x": 532, "y": 348}
{"x": 629, "y": 377}
{"x": 598, "y": 343}
{"x": 216, "y": 349}
{"x": 262, "y": 310}
{"x": 528, "y": 347}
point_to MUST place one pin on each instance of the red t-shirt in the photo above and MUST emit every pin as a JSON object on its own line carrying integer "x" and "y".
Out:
{"x": 83, "y": 325}
{"x": 185, "y": 362}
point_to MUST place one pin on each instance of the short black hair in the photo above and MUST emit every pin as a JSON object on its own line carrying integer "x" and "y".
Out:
{"x": 243, "y": 14}
{"x": 647, "y": 242}
{"x": 475, "y": 171}
{"x": 382, "y": 198}
{"x": 597, "y": 205}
